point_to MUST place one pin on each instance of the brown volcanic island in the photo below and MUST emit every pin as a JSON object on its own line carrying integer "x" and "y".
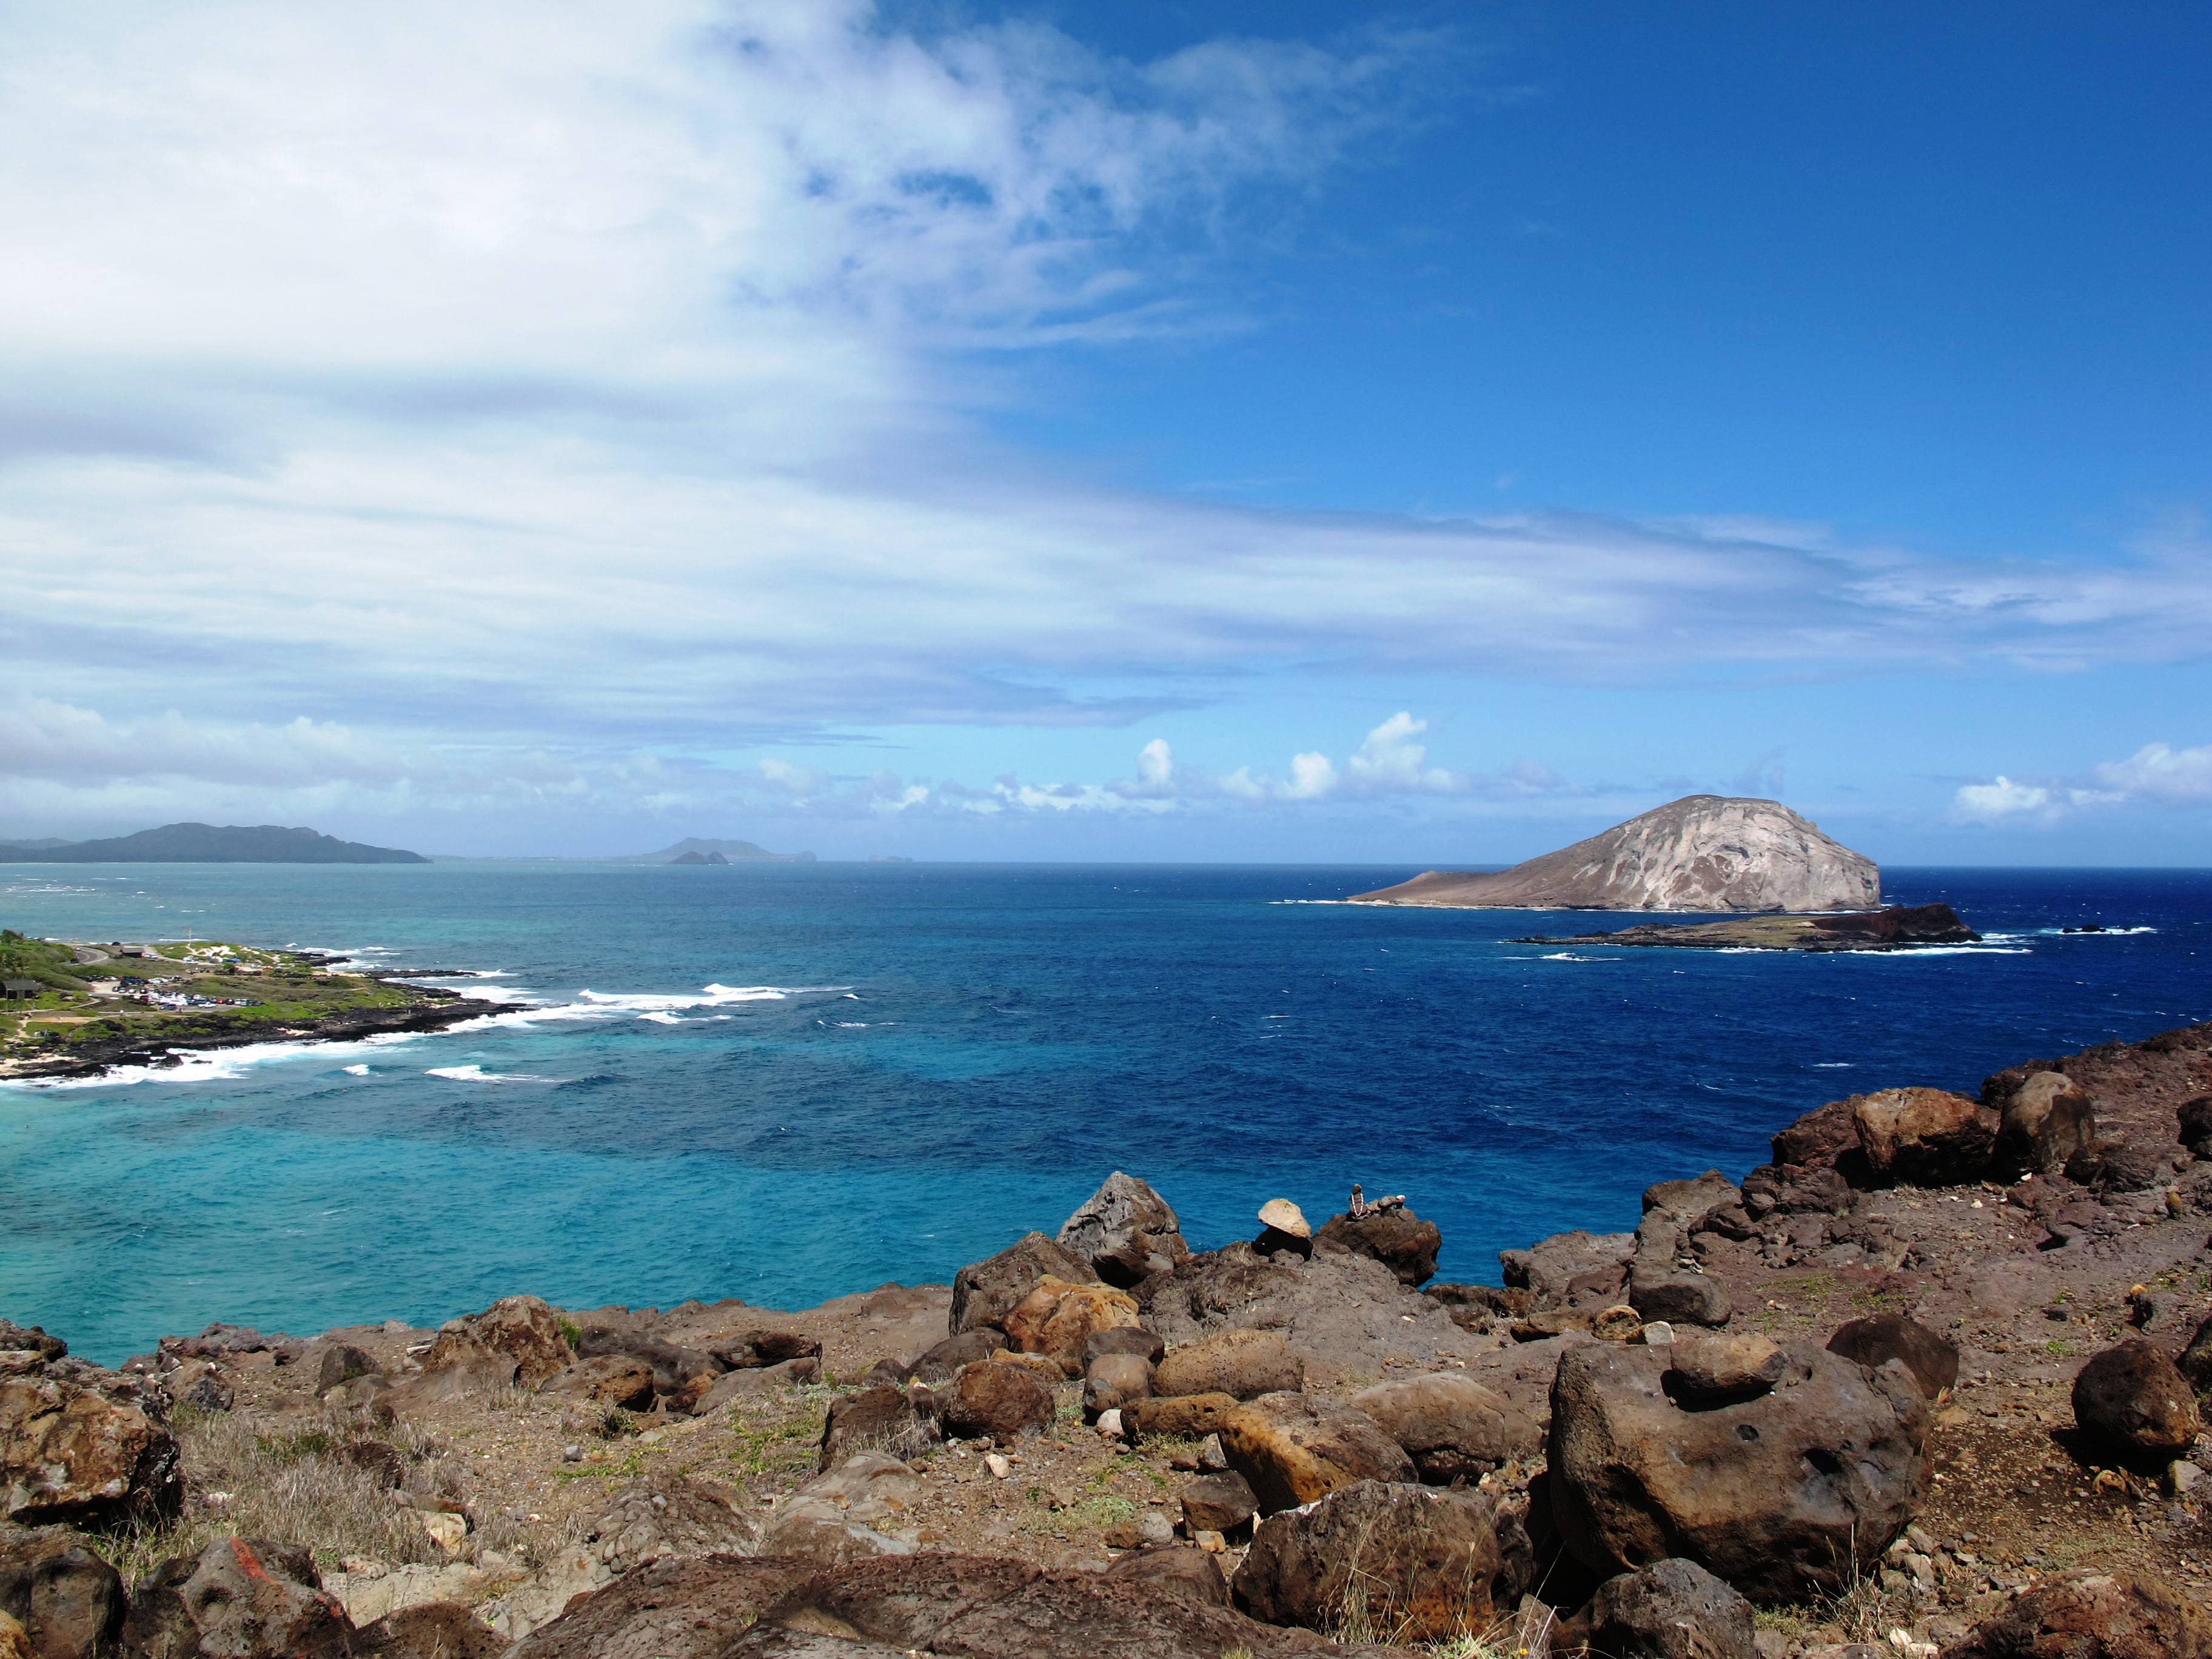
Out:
{"x": 1701, "y": 853}
{"x": 1900, "y": 927}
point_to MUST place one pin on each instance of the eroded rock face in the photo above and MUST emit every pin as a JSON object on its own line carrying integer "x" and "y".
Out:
{"x": 1924, "y": 1137}
{"x": 1424, "y": 1564}
{"x": 1874, "y": 1341}
{"x": 1126, "y": 1231}
{"x": 1245, "y": 1364}
{"x": 996, "y": 1401}
{"x": 1451, "y": 1426}
{"x": 608, "y": 1379}
{"x": 849, "y": 1514}
{"x": 670, "y": 1609}
{"x": 430, "y": 1630}
{"x": 68, "y": 1599}
{"x": 2133, "y": 1397}
{"x": 1691, "y": 1204}
{"x": 83, "y": 1446}
{"x": 1671, "y": 1609}
{"x": 1056, "y": 1319}
{"x": 1217, "y": 1503}
{"x": 2088, "y": 1615}
{"x": 1677, "y": 1296}
{"x": 985, "y": 1293}
{"x": 1784, "y": 1495}
{"x": 1555, "y": 1269}
{"x": 1294, "y": 1448}
{"x": 1397, "y": 1238}
{"x": 666, "y": 1513}
{"x": 241, "y": 1598}
{"x": 522, "y": 1327}
{"x": 1175, "y": 1569}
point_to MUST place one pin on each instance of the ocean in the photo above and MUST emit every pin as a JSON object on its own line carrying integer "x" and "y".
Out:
{"x": 785, "y": 1083}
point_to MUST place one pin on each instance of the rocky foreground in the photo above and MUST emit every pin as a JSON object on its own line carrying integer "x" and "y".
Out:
{"x": 1925, "y": 1385}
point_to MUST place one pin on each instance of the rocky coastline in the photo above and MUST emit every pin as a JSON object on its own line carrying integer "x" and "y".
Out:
{"x": 1925, "y": 1384}
{"x": 1897, "y": 927}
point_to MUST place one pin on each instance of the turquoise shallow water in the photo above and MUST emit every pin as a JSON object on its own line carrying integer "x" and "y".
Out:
{"x": 899, "y": 1068}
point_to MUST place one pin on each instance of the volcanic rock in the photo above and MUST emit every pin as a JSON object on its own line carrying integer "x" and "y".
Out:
{"x": 1786, "y": 1496}
{"x": 241, "y": 1598}
{"x": 342, "y": 1362}
{"x": 1126, "y": 1231}
{"x": 1179, "y": 1416}
{"x": 1691, "y": 1204}
{"x": 1280, "y": 1215}
{"x": 875, "y": 1420}
{"x": 85, "y": 1446}
{"x": 668, "y": 1513}
{"x": 1217, "y": 1503}
{"x": 942, "y": 1363}
{"x": 2046, "y": 1119}
{"x": 2094, "y": 1615}
{"x": 1924, "y": 1137}
{"x": 1554, "y": 1269}
{"x": 673, "y": 1608}
{"x": 1719, "y": 1370}
{"x": 1671, "y": 1609}
{"x": 522, "y": 1327}
{"x": 430, "y": 1630}
{"x": 1057, "y": 1318}
{"x": 2194, "y": 1118}
{"x": 1124, "y": 1340}
{"x": 843, "y": 1515}
{"x": 997, "y": 1402}
{"x": 1396, "y": 1238}
{"x": 1875, "y": 1340}
{"x": 1678, "y": 1296}
{"x": 2132, "y": 1396}
{"x": 1422, "y": 1564}
{"x": 68, "y": 1599}
{"x": 1294, "y": 1448}
{"x": 985, "y": 1293}
{"x": 1451, "y": 1426}
{"x": 758, "y": 1349}
{"x": 609, "y": 1379}
{"x": 681, "y": 1376}
{"x": 1175, "y": 1569}
{"x": 1116, "y": 1379}
{"x": 1243, "y": 1363}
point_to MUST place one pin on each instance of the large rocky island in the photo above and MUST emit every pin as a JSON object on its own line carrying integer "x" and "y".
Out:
{"x": 1701, "y": 853}
{"x": 1925, "y": 1384}
{"x": 208, "y": 843}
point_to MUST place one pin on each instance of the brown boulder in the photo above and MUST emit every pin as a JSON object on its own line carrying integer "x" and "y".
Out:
{"x": 1550, "y": 1268}
{"x": 2195, "y": 1362}
{"x": 1177, "y": 1416}
{"x": 985, "y": 1293}
{"x": 522, "y": 1327}
{"x": 2092, "y": 1615}
{"x": 2134, "y": 1398}
{"x": 1671, "y": 1609}
{"x": 1245, "y": 1364}
{"x": 1396, "y": 1238}
{"x": 342, "y": 1362}
{"x": 756, "y": 1350}
{"x": 1410, "y": 1563}
{"x": 1786, "y": 1496}
{"x": 430, "y": 1630}
{"x": 1874, "y": 1341}
{"x": 1115, "y": 1379}
{"x": 1692, "y": 1204}
{"x": 1126, "y": 1231}
{"x": 68, "y": 1599}
{"x": 879, "y": 1420}
{"x": 671, "y": 1608}
{"x": 241, "y": 1598}
{"x": 1294, "y": 1449}
{"x": 467, "y": 1375}
{"x": 84, "y": 1446}
{"x": 1124, "y": 1340}
{"x": 1175, "y": 1569}
{"x": 996, "y": 1401}
{"x": 1677, "y": 1296}
{"x": 2194, "y": 1120}
{"x": 1822, "y": 1139}
{"x": 2046, "y": 1118}
{"x": 607, "y": 1379}
{"x": 1718, "y": 1370}
{"x": 1056, "y": 1319}
{"x": 682, "y": 1376}
{"x": 1217, "y": 1503}
{"x": 1924, "y": 1137}
{"x": 1452, "y": 1427}
{"x": 942, "y": 1363}
{"x": 668, "y": 1513}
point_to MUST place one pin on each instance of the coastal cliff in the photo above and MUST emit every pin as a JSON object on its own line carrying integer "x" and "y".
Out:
{"x": 1925, "y": 1382}
{"x": 1701, "y": 853}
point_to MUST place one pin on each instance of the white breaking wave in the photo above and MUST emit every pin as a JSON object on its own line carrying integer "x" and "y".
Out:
{"x": 1568, "y": 956}
{"x": 662, "y": 1017}
{"x": 477, "y": 1074}
{"x": 216, "y": 1064}
{"x": 356, "y": 1071}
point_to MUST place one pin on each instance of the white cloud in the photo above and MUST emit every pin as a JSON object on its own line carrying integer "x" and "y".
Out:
{"x": 1389, "y": 761}
{"x": 2159, "y": 772}
{"x": 2003, "y": 800}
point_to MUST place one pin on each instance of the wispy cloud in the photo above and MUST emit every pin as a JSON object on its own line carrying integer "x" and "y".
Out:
{"x": 2156, "y": 775}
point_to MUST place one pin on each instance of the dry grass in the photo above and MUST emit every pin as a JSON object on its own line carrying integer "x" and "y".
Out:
{"x": 295, "y": 1490}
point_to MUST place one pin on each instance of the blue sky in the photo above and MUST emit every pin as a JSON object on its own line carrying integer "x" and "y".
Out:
{"x": 1051, "y": 431}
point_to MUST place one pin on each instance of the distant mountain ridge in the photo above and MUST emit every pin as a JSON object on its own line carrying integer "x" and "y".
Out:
{"x": 208, "y": 843}
{"x": 1701, "y": 853}
{"x": 695, "y": 850}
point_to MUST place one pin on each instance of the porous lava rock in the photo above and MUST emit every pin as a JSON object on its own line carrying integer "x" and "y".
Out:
{"x": 1453, "y": 1427}
{"x": 881, "y": 1419}
{"x": 84, "y": 1446}
{"x": 673, "y": 1608}
{"x": 1720, "y": 1371}
{"x": 525, "y": 1329}
{"x": 430, "y": 1630}
{"x": 1570, "y": 1266}
{"x": 1924, "y": 1137}
{"x": 985, "y": 1293}
{"x": 1879, "y": 1339}
{"x": 2092, "y": 1615}
{"x": 2045, "y": 1118}
{"x": 2133, "y": 1397}
{"x": 1175, "y": 1569}
{"x": 758, "y": 1349}
{"x": 1217, "y": 1503}
{"x": 1421, "y": 1563}
{"x": 1294, "y": 1448}
{"x": 1113, "y": 1380}
{"x": 1178, "y": 1417}
{"x": 1126, "y": 1231}
{"x": 1396, "y": 1238}
{"x": 1787, "y": 1495}
{"x": 1692, "y": 1204}
{"x": 607, "y": 1379}
{"x": 241, "y": 1598}
{"x": 1242, "y": 1363}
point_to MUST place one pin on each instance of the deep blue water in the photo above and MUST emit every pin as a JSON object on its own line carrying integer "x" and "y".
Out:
{"x": 914, "y": 1064}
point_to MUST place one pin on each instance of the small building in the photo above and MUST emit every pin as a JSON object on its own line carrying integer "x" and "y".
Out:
{"x": 134, "y": 949}
{"x": 17, "y": 990}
